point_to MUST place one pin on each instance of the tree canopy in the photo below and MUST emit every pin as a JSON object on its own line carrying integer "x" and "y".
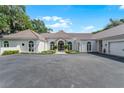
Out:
{"x": 112, "y": 24}
{"x": 38, "y": 26}
{"x": 13, "y": 18}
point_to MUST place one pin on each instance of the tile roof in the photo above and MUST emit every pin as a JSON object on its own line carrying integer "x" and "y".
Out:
{"x": 80, "y": 36}
{"x": 115, "y": 31}
{"x": 60, "y": 34}
{"x": 29, "y": 34}
{"x": 63, "y": 35}
{"x": 26, "y": 34}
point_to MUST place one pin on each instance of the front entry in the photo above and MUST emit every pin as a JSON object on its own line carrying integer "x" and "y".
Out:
{"x": 60, "y": 46}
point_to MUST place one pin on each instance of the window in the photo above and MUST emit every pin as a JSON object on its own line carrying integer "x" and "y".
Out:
{"x": 23, "y": 44}
{"x": 6, "y": 44}
{"x": 69, "y": 45}
{"x": 105, "y": 44}
{"x": 31, "y": 46}
{"x": 78, "y": 46}
{"x": 89, "y": 47}
{"x": 51, "y": 45}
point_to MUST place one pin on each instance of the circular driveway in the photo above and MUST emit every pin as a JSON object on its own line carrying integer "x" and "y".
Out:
{"x": 56, "y": 71}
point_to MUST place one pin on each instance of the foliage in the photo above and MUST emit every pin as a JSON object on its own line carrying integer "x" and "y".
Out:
{"x": 9, "y": 52}
{"x": 55, "y": 47}
{"x": 38, "y": 26}
{"x": 49, "y": 30}
{"x": 13, "y": 18}
{"x": 48, "y": 52}
{"x": 65, "y": 46}
{"x": 112, "y": 24}
{"x": 71, "y": 51}
{"x": 3, "y": 23}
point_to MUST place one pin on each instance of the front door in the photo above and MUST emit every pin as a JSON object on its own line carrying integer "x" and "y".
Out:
{"x": 60, "y": 46}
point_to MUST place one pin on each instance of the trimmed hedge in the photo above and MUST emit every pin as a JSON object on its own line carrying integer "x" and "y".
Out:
{"x": 9, "y": 52}
{"x": 72, "y": 52}
{"x": 48, "y": 52}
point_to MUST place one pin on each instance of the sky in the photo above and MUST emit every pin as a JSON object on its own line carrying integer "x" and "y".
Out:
{"x": 75, "y": 18}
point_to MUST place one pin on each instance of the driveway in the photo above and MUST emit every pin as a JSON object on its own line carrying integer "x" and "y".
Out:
{"x": 56, "y": 71}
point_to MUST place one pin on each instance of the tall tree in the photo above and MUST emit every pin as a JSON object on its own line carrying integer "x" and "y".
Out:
{"x": 3, "y": 24}
{"x": 13, "y": 18}
{"x": 39, "y": 26}
{"x": 16, "y": 18}
{"x": 122, "y": 20}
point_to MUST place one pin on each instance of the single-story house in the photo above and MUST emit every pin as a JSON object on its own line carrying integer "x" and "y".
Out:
{"x": 110, "y": 41}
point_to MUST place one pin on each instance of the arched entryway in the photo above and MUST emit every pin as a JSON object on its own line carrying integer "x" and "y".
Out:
{"x": 89, "y": 47}
{"x": 31, "y": 46}
{"x": 60, "y": 46}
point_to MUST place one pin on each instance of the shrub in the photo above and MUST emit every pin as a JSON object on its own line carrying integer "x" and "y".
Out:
{"x": 65, "y": 47}
{"x": 48, "y": 52}
{"x": 55, "y": 47}
{"x": 72, "y": 52}
{"x": 9, "y": 52}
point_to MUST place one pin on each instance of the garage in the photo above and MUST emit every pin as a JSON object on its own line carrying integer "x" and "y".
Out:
{"x": 117, "y": 48}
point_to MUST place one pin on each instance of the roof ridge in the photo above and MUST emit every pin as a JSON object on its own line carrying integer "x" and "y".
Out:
{"x": 35, "y": 34}
{"x": 110, "y": 28}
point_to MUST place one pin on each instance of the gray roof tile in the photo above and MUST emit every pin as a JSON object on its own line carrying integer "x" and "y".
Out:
{"x": 29, "y": 34}
{"x": 115, "y": 31}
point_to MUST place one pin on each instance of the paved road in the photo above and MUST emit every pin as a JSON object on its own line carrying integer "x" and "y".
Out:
{"x": 56, "y": 71}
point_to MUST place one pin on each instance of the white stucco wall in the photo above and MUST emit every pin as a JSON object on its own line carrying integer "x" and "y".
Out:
{"x": 83, "y": 45}
{"x": 25, "y": 48}
{"x": 79, "y": 45}
{"x": 42, "y": 46}
{"x": 13, "y": 45}
{"x": 17, "y": 45}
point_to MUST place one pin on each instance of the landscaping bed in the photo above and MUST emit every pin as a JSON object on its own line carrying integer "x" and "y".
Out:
{"x": 48, "y": 52}
{"x": 10, "y": 52}
{"x": 72, "y": 52}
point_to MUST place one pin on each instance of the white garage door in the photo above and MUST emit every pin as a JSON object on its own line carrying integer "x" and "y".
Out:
{"x": 117, "y": 48}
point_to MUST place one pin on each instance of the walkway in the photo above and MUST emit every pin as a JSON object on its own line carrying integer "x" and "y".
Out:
{"x": 60, "y": 52}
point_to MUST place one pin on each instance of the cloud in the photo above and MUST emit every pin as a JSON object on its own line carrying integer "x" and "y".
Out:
{"x": 47, "y": 18}
{"x": 57, "y": 22}
{"x": 51, "y": 18}
{"x": 121, "y": 7}
{"x": 55, "y": 18}
{"x": 89, "y": 28}
{"x": 59, "y": 25}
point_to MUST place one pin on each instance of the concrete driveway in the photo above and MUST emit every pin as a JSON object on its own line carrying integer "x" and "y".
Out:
{"x": 56, "y": 71}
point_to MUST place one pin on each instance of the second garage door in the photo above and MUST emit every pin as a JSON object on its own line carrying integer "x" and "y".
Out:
{"x": 117, "y": 48}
